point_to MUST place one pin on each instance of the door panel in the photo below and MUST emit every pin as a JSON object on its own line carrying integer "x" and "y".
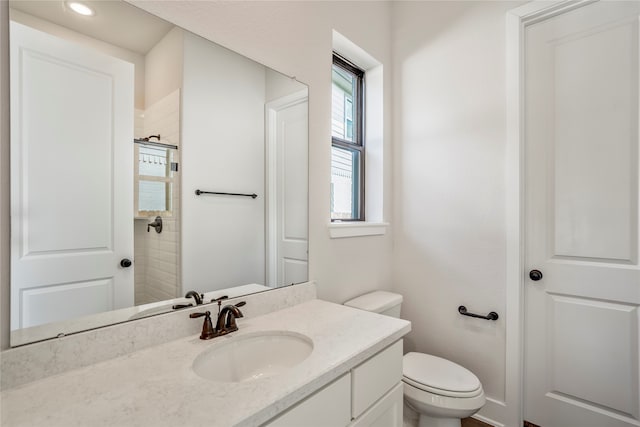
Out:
{"x": 287, "y": 170}
{"x": 581, "y": 153}
{"x": 55, "y": 154}
{"x": 72, "y": 161}
{"x": 581, "y": 359}
{"x": 292, "y": 194}
{"x": 595, "y": 94}
{"x": 42, "y": 305}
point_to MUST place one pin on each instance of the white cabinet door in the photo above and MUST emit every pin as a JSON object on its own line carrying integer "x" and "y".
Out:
{"x": 330, "y": 407}
{"x": 387, "y": 412}
{"x": 581, "y": 326}
{"x": 72, "y": 161}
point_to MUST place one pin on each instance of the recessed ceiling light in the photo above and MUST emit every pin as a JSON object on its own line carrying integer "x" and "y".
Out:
{"x": 80, "y": 8}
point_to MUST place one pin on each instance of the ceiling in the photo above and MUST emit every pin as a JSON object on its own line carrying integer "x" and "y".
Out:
{"x": 114, "y": 22}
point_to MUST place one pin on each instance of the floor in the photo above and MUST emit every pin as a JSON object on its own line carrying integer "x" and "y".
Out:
{"x": 472, "y": 422}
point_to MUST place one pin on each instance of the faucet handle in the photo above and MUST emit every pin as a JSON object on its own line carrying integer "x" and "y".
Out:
{"x": 208, "y": 331}
{"x": 219, "y": 299}
{"x": 196, "y": 315}
{"x": 181, "y": 306}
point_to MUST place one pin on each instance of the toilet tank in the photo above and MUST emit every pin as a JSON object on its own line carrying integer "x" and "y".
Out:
{"x": 382, "y": 302}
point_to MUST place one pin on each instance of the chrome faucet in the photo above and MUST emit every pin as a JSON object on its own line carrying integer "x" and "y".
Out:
{"x": 225, "y": 323}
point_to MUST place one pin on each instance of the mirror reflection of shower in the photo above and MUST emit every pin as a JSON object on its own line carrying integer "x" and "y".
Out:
{"x": 157, "y": 193}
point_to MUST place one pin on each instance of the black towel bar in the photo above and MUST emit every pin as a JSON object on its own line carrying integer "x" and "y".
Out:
{"x": 491, "y": 316}
{"x": 199, "y": 192}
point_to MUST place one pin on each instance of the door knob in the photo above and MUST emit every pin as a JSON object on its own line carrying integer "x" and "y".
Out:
{"x": 535, "y": 275}
{"x": 125, "y": 263}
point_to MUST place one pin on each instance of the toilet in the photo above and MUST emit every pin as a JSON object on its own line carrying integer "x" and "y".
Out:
{"x": 440, "y": 391}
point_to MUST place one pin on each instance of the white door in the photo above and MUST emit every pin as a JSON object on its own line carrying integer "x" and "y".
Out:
{"x": 581, "y": 121}
{"x": 287, "y": 170}
{"x": 71, "y": 179}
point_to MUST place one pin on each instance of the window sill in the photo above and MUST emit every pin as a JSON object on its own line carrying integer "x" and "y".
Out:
{"x": 339, "y": 230}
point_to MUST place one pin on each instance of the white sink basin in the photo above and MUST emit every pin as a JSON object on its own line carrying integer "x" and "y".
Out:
{"x": 253, "y": 356}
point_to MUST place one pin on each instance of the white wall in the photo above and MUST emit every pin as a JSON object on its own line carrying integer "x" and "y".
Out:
{"x": 449, "y": 187}
{"x": 296, "y": 38}
{"x": 222, "y": 148}
{"x": 163, "y": 67}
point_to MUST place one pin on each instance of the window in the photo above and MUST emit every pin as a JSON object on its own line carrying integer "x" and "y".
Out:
{"x": 155, "y": 173}
{"x": 347, "y": 141}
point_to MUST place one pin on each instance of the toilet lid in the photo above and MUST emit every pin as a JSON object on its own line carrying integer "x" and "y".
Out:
{"x": 438, "y": 375}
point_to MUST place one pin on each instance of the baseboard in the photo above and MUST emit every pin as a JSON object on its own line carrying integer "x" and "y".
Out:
{"x": 492, "y": 411}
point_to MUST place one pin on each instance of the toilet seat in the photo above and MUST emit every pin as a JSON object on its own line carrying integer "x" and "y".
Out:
{"x": 441, "y": 392}
{"x": 439, "y": 376}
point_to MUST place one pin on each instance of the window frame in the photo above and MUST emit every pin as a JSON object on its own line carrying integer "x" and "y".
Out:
{"x": 358, "y": 144}
{"x": 169, "y": 179}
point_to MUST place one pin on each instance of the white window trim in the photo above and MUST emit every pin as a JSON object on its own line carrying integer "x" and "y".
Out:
{"x": 375, "y": 150}
{"x": 340, "y": 230}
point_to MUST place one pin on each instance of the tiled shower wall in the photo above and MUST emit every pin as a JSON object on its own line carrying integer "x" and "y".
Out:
{"x": 157, "y": 255}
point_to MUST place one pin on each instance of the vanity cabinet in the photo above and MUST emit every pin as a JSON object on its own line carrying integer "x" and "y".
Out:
{"x": 369, "y": 395}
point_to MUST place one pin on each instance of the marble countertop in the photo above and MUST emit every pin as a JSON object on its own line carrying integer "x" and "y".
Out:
{"x": 157, "y": 387}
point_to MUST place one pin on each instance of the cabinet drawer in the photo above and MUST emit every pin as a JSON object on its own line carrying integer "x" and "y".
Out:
{"x": 386, "y": 412}
{"x": 327, "y": 407}
{"x": 375, "y": 377}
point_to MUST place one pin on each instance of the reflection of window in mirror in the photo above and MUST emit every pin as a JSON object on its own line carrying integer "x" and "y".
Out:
{"x": 155, "y": 170}
{"x": 347, "y": 141}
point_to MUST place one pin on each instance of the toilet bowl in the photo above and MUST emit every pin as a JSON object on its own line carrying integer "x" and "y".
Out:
{"x": 439, "y": 390}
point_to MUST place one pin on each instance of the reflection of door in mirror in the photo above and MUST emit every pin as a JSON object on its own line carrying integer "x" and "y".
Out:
{"x": 71, "y": 158}
{"x": 287, "y": 182}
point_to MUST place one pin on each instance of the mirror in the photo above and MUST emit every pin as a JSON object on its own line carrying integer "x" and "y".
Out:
{"x": 146, "y": 162}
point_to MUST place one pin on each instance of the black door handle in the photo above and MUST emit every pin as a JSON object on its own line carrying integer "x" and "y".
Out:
{"x": 535, "y": 275}
{"x": 125, "y": 263}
